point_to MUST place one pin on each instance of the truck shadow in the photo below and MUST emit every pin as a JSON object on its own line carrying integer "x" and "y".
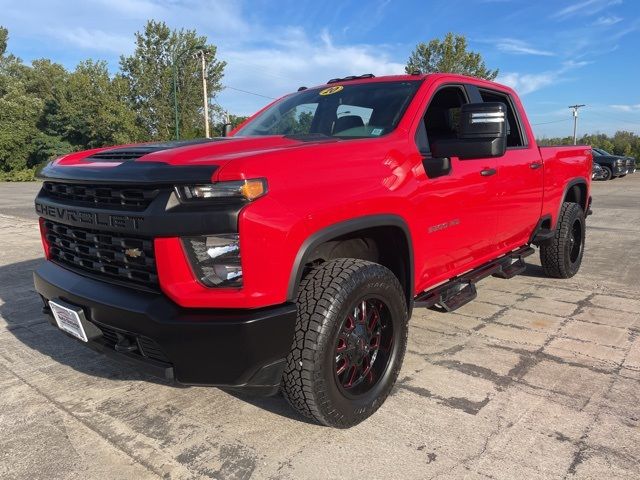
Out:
{"x": 21, "y": 311}
{"x": 534, "y": 271}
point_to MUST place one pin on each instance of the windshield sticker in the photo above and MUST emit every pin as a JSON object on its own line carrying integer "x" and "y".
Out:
{"x": 331, "y": 90}
{"x": 376, "y": 131}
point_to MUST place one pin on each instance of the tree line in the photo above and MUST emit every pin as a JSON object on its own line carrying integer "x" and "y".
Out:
{"x": 621, "y": 143}
{"x": 47, "y": 110}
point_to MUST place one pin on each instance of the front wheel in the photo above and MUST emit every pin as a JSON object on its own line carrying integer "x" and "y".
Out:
{"x": 561, "y": 255}
{"x": 608, "y": 173}
{"x": 351, "y": 335}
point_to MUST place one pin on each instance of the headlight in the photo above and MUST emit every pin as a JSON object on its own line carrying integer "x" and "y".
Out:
{"x": 242, "y": 189}
{"x": 215, "y": 259}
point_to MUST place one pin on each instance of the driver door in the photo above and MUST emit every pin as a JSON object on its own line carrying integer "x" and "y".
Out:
{"x": 457, "y": 199}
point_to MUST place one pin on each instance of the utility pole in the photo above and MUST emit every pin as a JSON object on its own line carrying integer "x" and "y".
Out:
{"x": 205, "y": 95}
{"x": 575, "y": 121}
{"x": 177, "y": 57}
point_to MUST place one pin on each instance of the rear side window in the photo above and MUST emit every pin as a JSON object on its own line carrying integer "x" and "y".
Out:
{"x": 515, "y": 138}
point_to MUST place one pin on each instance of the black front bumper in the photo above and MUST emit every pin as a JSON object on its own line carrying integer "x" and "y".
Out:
{"x": 228, "y": 348}
{"x": 619, "y": 170}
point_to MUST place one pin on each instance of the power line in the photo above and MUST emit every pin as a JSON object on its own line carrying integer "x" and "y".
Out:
{"x": 619, "y": 119}
{"x": 547, "y": 123}
{"x": 248, "y": 92}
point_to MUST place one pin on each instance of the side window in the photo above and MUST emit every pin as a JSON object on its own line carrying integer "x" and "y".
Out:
{"x": 514, "y": 134}
{"x": 442, "y": 118}
{"x": 440, "y": 122}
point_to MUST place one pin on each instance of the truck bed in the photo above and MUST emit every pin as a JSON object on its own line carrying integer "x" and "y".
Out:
{"x": 563, "y": 164}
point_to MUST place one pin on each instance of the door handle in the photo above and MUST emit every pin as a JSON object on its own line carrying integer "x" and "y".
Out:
{"x": 535, "y": 165}
{"x": 487, "y": 172}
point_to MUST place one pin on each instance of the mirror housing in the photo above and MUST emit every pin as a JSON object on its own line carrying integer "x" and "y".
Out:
{"x": 482, "y": 132}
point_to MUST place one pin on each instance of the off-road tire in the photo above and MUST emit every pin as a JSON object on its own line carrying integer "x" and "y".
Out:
{"x": 560, "y": 256}
{"x": 326, "y": 295}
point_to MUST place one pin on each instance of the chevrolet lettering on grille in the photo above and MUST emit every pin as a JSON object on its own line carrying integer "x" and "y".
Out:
{"x": 89, "y": 218}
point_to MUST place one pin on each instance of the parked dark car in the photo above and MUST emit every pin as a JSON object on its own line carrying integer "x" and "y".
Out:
{"x": 613, "y": 165}
{"x": 597, "y": 172}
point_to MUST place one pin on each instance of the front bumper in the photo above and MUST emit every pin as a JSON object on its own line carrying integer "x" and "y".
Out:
{"x": 619, "y": 170}
{"x": 228, "y": 348}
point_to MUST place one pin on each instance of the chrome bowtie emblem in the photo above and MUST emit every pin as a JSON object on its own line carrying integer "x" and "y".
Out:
{"x": 133, "y": 252}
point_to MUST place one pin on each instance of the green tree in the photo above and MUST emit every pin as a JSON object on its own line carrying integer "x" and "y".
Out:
{"x": 4, "y": 37}
{"x": 19, "y": 114}
{"x": 19, "y": 111}
{"x": 149, "y": 73}
{"x": 449, "y": 55}
{"x": 91, "y": 110}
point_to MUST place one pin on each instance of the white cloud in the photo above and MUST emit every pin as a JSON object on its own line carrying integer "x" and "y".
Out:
{"x": 607, "y": 21}
{"x": 626, "y": 108}
{"x": 133, "y": 8}
{"x": 519, "y": 47}
{"x": 525, "y": 83}
{"x": 295, "y": 59}
{"x": 584, "y": 8}
{"x": 93, "y": 39}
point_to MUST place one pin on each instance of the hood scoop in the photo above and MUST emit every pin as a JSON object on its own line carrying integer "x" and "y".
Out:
{"x": 134, "y": 152}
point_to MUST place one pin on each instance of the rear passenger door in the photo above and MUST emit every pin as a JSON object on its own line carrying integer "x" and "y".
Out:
{"x": 519, "y": 178}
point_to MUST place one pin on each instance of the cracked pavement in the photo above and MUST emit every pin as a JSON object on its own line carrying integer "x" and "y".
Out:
{"x": 537, "y": 378}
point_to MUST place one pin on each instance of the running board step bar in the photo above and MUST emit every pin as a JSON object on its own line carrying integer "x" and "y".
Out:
{"x": 461, "y": 290}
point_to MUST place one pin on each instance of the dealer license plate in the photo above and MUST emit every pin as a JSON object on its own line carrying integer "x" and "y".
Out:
{"x": 68, "y": 320}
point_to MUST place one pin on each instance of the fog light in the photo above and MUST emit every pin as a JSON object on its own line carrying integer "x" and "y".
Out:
{"x": 215, "y": 259}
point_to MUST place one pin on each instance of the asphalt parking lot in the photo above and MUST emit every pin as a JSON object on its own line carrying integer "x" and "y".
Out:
{"x": 537, "y": 378}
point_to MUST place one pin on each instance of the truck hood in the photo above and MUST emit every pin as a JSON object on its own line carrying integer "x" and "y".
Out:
{"x": 191, "y": 160}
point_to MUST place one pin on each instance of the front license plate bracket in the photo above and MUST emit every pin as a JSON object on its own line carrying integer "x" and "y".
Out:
{"x": 71, "y": 319}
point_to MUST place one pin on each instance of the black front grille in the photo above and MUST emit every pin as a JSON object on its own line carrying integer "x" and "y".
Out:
{"x": 102, "y": 196}
{"x": 121, "y": 259}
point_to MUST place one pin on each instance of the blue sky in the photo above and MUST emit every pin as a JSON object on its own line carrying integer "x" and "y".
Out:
{"x": 555, "y": 53}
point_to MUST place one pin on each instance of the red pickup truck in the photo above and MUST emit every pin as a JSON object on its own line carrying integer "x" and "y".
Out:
{"x": 289, "y": 255}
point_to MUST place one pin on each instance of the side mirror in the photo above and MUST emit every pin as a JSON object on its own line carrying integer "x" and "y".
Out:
{"x": 482, "y": 132}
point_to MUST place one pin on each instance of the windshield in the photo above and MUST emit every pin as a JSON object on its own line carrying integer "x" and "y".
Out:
{"x": 602, "y": 152}
{"x": 344, "y": 111}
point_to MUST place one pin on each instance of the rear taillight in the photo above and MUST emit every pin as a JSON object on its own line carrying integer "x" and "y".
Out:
{"x": 43, "y": 237}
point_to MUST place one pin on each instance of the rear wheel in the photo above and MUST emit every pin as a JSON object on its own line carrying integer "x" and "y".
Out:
{"x": 351, "y": 335}
{"x": 561, "y": 256}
